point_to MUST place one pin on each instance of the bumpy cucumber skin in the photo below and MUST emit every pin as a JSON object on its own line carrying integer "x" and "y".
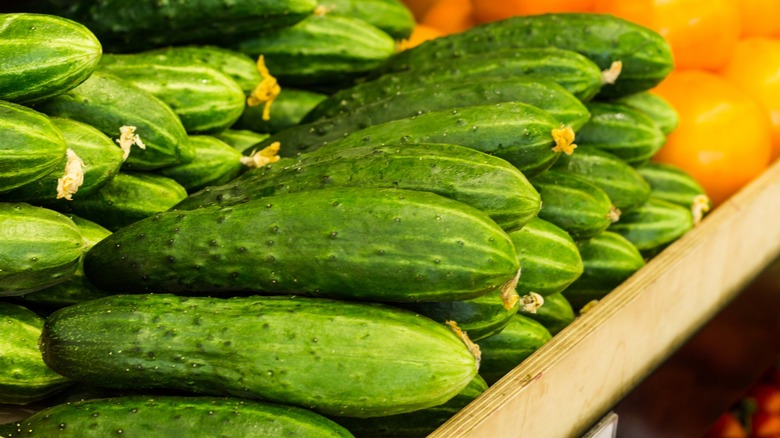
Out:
{"x": 609, "y": 260}
{"x": 348, "y": 242}
{"x": 30, "y": 146}
{"x": 108, "y": 103}
{"x": 555, "y": 314}
{"x": 335, "y": 357}
{"x": 167, "y": 416}
{"x": 391, "y": 16}
{"x": 646, "y": 56}
{"x": 671, "y": 184}
{"x": 216, "y": 162}
{"x": 43, "y": 56}
{"x": 289, "y": 108}
{"x": 655, "y": 107}
{"x": 548, "y": 257}
{"x": 240, "y": 139}
{"x": 485, "y": 182}
{"x": 652, "y": 226}
{"x": 506, "y": 350}
{"x": 24, "y": 378}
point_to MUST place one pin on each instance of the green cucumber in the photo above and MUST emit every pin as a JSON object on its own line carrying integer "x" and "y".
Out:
{"x": 127, "y": 198}
{"x": 609, "y": 259}
{"x": 548, "y": 257}
{"x": 215, "y": 163}
{"x": 287, "y": 110}
{"x": 485, "y": 182}
{"x": 391, "y": 16}
{"x": 555, "y": 314}
{"x": 575, "y": 73}
{"x": 645, "y": 55}
{"x": 655, "y": 107}
{"x": 24, "y": 378}
{"x": 406, "y": 246}
{"x": 506, "y": 350}
{"x": 240, "y": 139}
{"x": 622, "y": 131}
{"x": 335, "y": 357}
{"x": 672, "y": 184}
{"x": 574, "y": 203}
{"x": 167, "y": 416}
{"x": 622, "y": 183}
{"x": 320, "y": 49}
{"x": 43, "y": 56}
{"x": 30, "y": 146}
{"x": 40, "y": 248}
{"x": 654, "y": 225}
{"x": 109, "y": 103}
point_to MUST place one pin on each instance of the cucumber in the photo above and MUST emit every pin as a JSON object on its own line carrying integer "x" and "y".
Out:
{"x": 320, "y": 49}
{"x": 216, "y": 162}
{"x": 24, "y": 378}
{"x": 622, "y": 183}
{"x": 548, "y": 257}
{"x": 406, "y": 246}
{"x": 166, "y": 416}
{"x": 654, "y": 225}
{"x": 485, "y": 182}
{"x": 555, "y": 314}
{"x": 645, "y": 55}
{"x": 288, "y": 109}
{"x": 672, "y": 184}
{"x": 205, "y": 99}
{"x": 335, "y": 357}
{"x": 391, "y": 16}
{"x": 40, "y": 248}
{"x": 574, "y": 203}
{"x": 625, "y": 132}
{"x": 506, "y": 350}
{"x": 30, "y": 146}
{"x": 43, "y": 56}
{"x": 653, "y": 106}
{"x": 609, "y": 259}
{"x": 109, "y": 103}
{"x": 575, "y": 73}
{"x": 240, "y": 139}
{"x": 127, "y": 198}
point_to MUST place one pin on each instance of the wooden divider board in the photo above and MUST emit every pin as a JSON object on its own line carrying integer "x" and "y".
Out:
{"x": 573, "y": 380}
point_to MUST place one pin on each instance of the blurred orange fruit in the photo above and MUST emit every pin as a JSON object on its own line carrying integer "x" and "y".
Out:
{"x": 419, "y": 7}
{"x": 450, "y": 16}
{"x": 492, "y": 10}
{"x": 420, "y": 34}
{"x": 760, "y": 17}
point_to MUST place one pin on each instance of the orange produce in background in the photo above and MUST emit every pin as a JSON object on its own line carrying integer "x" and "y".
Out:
{"x": 760, "y": 17}
{"x": 419, "y": 7}
{"x": 723, "y": 138}
{"x": 450, "y": 16}
{"x": 492, "y": 10}
{"x": 420, "y": 34}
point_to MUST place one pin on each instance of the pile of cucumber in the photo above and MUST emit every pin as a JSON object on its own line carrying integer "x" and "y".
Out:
{"x": 255, "y": 218}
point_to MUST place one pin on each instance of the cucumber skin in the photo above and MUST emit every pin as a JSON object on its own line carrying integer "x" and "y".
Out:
{"x": 289, "y": 108}
{"x": 555, "y": 314}
{"x": 272, "y": 245}
{"x": 166, "y": 416}
{"x": 240, "y": 139}
{"x": 506, "y": 350}
{"x": 251, "y": 347}
{"x": 71, "y": 52}
{"x": 655, "y": 107}
{"x": 654, "y": 225}
{"x": 670, "y": 183}
{"x": 391, "y": 16}
{"x": 215, "y": 162}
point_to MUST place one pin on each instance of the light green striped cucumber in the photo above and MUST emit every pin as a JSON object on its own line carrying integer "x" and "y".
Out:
{"x": 654, "y": 225}
{"x": 287, "y": 110}
{"x": 622, "y": 131}
{"x": 555, "y": 314}
{"x": 655, "y": 107}
{"x": 483, "y": 181}
{"x": 609, "y": 259}
{"x": 671, "y": 183}
{"x": 406, "y": 246}
{"x": 622, "y": 183}
{"x": 127, "y": 198}
{"x": 205, "y": 99}
{"x": 109, "y": 103}
{"x": 39, "y": 248}
{"x": 240, "y": 139}
{"x": 320, "y": 49}
{"x": 24, "y": 378}
{"x": 30, "y": 146}
{"x": 391, "y": 16}
{"x": 548, "y": 257}
{"x": 43, "y": 55}
{"x": 215, "y": 163}
{"x": 572, "y": 71}
{"x": 509, "y": 348}
{"x": 575, "y": 204}
{"x": 166, "y": 416}
{"x": 91, "y": 154}
{"x": 335, "y": 357}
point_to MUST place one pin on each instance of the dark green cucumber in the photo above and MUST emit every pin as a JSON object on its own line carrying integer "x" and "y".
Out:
{"x": 320, "y": 49}
{"x": 548, "y": 258}
{"x": 287, "y": 110}
{"x": 391, "y": 16}
{"x": 622, "y": 131}
{"x": 109, "y": 103}
{"x": 622, "y": 183}
{"x": 573, "y": 203}
{"x": 167, "y": 416}
{"x": 24, "y": 378}
{"x": 555, "y": 314}
{"x": 43, "y": 55}
{"x": 216, "y": 162}
{"x": 654, "y": 225}
{"x": 645, "y": 55}
{"x": 672, "y": 184}
{"x": 575, "y": 73}
{"x": 240, "y": 139}
{"x": 352, "y": 242}
{"x": 30, "y": 146}
{"x": 335, "y": 357}
{"x": 414, "y": 424}
{"x": 655, "y": 107}
{"x": 506, "y": 350}
{"x": 40, "y": 248}
{"x": 127, "y": 198}
{"x": 609, "y": 259}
